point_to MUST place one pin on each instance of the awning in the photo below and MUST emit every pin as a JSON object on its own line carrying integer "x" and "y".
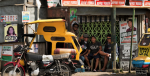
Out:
{"x": 107, "y": 11}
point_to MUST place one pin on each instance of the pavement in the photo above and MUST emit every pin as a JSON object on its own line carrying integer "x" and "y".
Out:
{"x": 102, "y": 74}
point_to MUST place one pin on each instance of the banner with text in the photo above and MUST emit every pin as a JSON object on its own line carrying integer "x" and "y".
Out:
{"x": 146, "y": 2}
{"x": 136, "y": 2}
{"x": 126, "y": 30}
{"x": 118, "y": 2}
{"x": 7, "y": 53}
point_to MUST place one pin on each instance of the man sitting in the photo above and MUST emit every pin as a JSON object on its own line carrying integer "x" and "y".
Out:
{"x": 93, "y": 52}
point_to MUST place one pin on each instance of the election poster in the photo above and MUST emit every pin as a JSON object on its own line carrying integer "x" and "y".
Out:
{"x": 25, "y": 16}
{"x": 69, "y": 2}
{"x": 146, "y": 2}
{"x": 7, "y": 53}
{"x": 87, "y": 2}
{"x": 126, "y": 31}
{"x": 52, "y": 3}
{"x": 72, "y": 13}
{"x": 9, "y": 18}
{"x": 10, "y": 33}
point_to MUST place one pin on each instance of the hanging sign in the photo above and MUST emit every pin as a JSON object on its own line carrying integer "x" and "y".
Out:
{"x": 69, "y": 2}
{"x": 135, "y": 2}
{"x": 9, "y": 18}
{"x": 147, "y": 3}
{"x": 7, "y": 53}
{"x": 103, "y": 2}
{"x": 87, "y": 2}
{"x": 118, "y": 2}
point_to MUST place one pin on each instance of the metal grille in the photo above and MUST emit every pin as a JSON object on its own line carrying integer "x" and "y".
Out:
{"x": 99, "y": 30}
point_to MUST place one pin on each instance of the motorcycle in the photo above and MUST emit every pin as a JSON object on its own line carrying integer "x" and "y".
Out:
{"x": 37, "y": 65}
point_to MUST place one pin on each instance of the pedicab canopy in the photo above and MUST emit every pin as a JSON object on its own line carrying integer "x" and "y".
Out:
{"x": 52, "y": 27}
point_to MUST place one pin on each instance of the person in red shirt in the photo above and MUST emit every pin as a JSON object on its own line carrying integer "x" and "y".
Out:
{"x": 130, "y": 26}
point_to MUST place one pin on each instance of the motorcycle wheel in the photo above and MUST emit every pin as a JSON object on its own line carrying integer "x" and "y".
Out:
{"x": 64, "y": 67}
{"x": 8, "y": 71}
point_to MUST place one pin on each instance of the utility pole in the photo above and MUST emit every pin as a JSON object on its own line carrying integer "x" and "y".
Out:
{"x": 131, "y": 40}
{"x": 113, "y": 37}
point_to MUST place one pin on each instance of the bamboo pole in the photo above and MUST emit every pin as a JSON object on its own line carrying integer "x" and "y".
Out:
{"x": 131, "y": 40}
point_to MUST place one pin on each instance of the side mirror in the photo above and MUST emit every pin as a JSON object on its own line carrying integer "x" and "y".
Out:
{"x": 26, "y": 41}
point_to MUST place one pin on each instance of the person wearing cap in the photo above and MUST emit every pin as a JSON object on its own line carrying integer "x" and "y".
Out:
{"x": 83, "y": 40}
{"x": 75, "y": 27}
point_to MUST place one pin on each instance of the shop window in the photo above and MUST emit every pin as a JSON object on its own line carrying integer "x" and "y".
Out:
{"x": 64, "y": 45}
{"x": 58, "y": 38}
{"x": 49, "y": 29}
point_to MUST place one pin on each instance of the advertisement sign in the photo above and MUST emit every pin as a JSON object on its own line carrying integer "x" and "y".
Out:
{"x": 25, "y": 16}
{"x": 52, "y": 3}
{"x": 118, "y": 2}
{"x": 136, "y": 2}
{"x": 72, "y": 13}
{"x": 9, "y": 18}
{"x": 10, "y": 33}
{"x": 69, "y": 2}
{"x": 87, "y": 2}
{"x": 103, "y": 2}
{"x": 125, "y": 31}
{"x": 147, "y": 3}
{"x": 7, "y": 53}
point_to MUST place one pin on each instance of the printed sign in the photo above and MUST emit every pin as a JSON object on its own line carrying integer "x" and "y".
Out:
{"x": 125, "y": 31}
{"x": 52, "y": 3}
{"x": 118, "y": 2}
{"x": 147, "y": 3}
{"x": 124, "y": 65}
{"x": 9, "y": 18}
{"x": 69, "y": 2}
{"x": 7, "y": 53}
{"x": 25, "y": 16}
{"x": 87, "y": 2}
{"x": 125, "y": 51}
{"x": 135, "y": 2}
{"x": 10, "y": 33}
{"x": 103, "y": 2}
{"x": 72, "y": 13}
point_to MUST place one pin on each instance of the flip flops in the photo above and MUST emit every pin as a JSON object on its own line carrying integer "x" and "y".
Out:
{"x": 101, "y": 71}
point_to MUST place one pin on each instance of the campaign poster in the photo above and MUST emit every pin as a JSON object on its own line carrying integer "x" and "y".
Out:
{"x": 72, "y": 13}
{"x": 118, "y": 2}
{"x": 25, "y": 16}
{"x": 126, "y": 31}
{"x": 9, "y": 18}
{"x": 69, "y": 2}
{"x": 136, "y": 2}
{"x": 146, "y": 2}
{"x": 10, "y": 33}
{"x": 87, "y": 2}
{"x": 7, "y": 53}
{"x": 35, "y": 48}
{"x": 103, "y": 2}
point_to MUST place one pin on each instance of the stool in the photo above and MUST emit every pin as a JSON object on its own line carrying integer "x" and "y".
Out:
{"x": 99, "y": 64}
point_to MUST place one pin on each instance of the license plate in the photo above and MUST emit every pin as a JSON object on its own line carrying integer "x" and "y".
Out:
{"x": 142, "y": 72}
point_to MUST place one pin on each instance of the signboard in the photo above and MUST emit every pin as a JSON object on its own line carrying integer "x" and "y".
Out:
{"x": 9, "y": 18}
{"x": 103, "y": 2}
{"x": 69, "y": 2}
{"x": 125, "y": 55}
{"x": 135, "y": 2}
{"x": 52, "y": 3}
{"x": 7, "y": 53}
{"x": 87, "y": 2}
{"x": 147, "y": 3}
{"x": 25, "y": 16}
{"x": 118, "y": 2}
{"x": 10, "y": 33}
{"x": 125, "y": 31}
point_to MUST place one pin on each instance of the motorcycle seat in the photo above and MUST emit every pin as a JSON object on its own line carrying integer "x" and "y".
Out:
{"x": 33, "y": 57}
